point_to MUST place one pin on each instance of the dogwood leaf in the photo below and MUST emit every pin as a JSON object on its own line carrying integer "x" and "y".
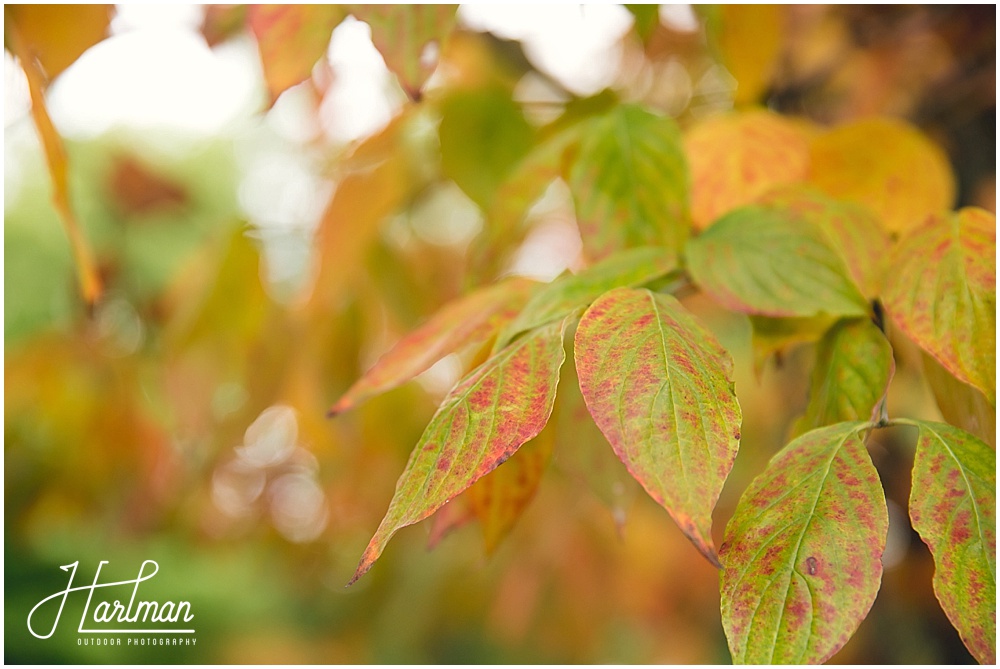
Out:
{"x": 660, "y": 388}
{"x": 953, "y": 508}
{"x": 802, "y": 555}
{"x": 495, "y": 409}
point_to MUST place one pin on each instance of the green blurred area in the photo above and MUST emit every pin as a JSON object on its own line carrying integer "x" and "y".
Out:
{"x": 124, "y": 425}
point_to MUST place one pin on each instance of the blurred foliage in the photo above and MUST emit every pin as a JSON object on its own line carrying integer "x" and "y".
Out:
{"x": 132, "y": 426}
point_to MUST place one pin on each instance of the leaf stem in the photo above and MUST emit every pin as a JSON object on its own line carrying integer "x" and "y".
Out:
{"x": 55, "y": 157}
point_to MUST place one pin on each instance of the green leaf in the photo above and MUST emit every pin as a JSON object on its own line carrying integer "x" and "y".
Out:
{"x": 854, "y": 365}
{"x": 483, "y": 136}
{"x": 292, "y": 38}
{"x": 409, "y": 37}
{"x": 630, "y": 183}
{"x": 802, "y": 555}
{"x": 852, "y": 230}
{"x": 767, "y": 261}
{"x": 469, "y": 320}
{"x": 660, "y": 387}
{"x": 942, "y": 294}
{"x": 953, "y": 508}
{"x": 567, "y": 293}
{"x": 495, "y": 409}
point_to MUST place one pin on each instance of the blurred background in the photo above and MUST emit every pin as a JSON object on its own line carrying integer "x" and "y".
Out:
{"x": 261, "y": 244}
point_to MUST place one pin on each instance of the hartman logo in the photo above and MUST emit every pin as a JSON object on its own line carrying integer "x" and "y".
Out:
{"x": 116, "y": 608}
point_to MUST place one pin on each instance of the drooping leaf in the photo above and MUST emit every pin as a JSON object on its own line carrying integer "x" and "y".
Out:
{"x": 628, "y": 268}
{"x": 292, "y": 38}
{"x": 772, "y": 336}
{"x": 483, "y": 136}
{"x": 802, "y": 555}
{"x": 961, "y": 405}
{"x": 750, "y": 38}
{"x": 54, "y": 36}
{"x": 953, "y": 508}
{"x": 495, "y": 409}
{"x": 498, "y": 499}
{"x": 854, "y": 365}
{"x": 409, "y": 37}
{"x": 630, "y": 183}
{"x": 767, "y": 261}
{"x": 378, "y": 184}
{"x": 660, "y": 388}
{"x": 55, "y": 153}
{"x": 942, "y": 294}
{"x": 886, "y": 165}
{"x": 852, "y": 230}
{"x": 738, "y": 157}
{"x": 469, "y": 320}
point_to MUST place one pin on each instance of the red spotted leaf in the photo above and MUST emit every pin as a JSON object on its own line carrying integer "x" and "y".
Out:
{"x": 495, "y": 409}
{"x": 942, "y": 294}
{"x": 852, "y": 230}
{"x": 769, "y": 262}
{"x": 802, "y": 555}
{"x": 854, "y": 365}
{"x": 737, "y": 157}
{"x": 498, "y": 499}
{"x": 409, "y": 37}
{"x": 953, "y": 508}
{"x": 660, "y": 388}
{"x": 630, "y": 183}
{"x": 292, "y": 38}
{"x": 633, "y": 267}
{"x": 472, "y": 319}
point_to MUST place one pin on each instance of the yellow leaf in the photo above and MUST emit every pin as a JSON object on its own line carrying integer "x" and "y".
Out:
{"x": 886, "y": 165}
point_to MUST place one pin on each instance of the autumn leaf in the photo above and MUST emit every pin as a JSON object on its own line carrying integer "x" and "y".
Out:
{"x": 495, "y": 409}
{"x": 409, "y": 37}
{"x": 292, "y": 38}
{"x": 942, "y": 294}
{"x": 629, "y": 181}
{"x": 558, "y": 298}
{"x": 750, "y": 38}
{"x": 767, "y": 261}
{"x": 737, "y": 157}
{"x": 852, "y": 230}
{"x": 854, "y": 365}
{"x": 953, "y": 508}
{"x": 498, "y": 499}
{"x": 52, "y": 144}
{"x": 54, "y": 36}
{"x": 802, "y": 555}
{"x": 660, "y": 388}
{"x": 961, "y": 405}
{"x": 378, "y": 184}
{"x": 886, "y": 165}
{"x": 466, "y": 321}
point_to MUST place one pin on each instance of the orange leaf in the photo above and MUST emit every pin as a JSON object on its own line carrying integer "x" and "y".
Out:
{"x": 736, "y": 158}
